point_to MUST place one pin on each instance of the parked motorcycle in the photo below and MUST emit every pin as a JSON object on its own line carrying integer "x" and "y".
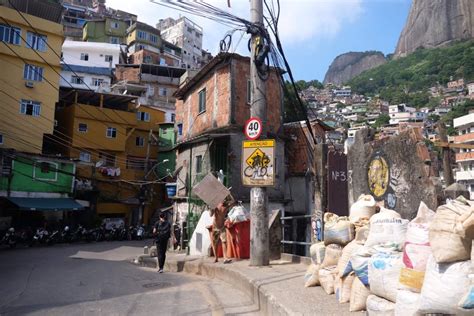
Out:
{"x": 66, "y": 235}
{"x": 80, "y": 234}
{"x": 9, "y": 238}
{"x": 140, "y": 232}
{"x": 40, "y": 237}
{"x": 53, "y": 238}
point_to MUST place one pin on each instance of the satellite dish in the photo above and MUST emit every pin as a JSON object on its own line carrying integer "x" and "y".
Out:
{"x": 99, "y": 163}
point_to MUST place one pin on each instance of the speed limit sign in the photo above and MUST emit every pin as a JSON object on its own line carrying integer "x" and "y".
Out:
{"x": 253, "y": 128}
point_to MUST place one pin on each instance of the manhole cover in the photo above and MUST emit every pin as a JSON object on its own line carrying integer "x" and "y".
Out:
{"x": 157, "y": 285}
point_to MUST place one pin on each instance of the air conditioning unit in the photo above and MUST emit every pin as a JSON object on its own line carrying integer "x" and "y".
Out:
{"x": 29, "y": 84}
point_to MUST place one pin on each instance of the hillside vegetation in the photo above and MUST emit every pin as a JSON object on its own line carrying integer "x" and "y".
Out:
{"x": 407, "y": 79}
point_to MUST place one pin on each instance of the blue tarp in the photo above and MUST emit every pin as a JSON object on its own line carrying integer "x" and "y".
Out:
{"x": 46, "y": 204}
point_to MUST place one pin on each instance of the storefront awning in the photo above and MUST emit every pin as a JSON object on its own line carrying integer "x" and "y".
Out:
{"x": 46, "y": 204}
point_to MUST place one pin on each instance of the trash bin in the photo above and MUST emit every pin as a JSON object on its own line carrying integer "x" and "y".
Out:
{"x": 238, "y": 236}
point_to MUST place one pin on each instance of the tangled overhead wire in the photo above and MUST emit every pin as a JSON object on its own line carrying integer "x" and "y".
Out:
{"x": 264, "y": 46}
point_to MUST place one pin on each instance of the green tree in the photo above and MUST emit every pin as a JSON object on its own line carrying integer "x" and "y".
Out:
{"x": 382, "y": 120}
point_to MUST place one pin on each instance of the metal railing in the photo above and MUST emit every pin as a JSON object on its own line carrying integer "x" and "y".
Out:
{"x": 294, "y": 227}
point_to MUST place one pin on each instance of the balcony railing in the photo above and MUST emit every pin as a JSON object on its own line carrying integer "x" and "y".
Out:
{"x": 465, "y": 175}
{"x": 469, "y": 137}
{"x": 49, "y": 10}
{"x": 464, "y": 156}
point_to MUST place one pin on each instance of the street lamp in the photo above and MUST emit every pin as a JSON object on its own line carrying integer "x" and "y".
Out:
{"x": 156, "y": 165}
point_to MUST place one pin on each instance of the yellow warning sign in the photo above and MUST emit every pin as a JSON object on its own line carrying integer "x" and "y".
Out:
{"x": 258, "y": 163}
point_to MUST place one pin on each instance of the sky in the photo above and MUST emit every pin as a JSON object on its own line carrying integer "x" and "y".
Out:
{"x": 312, "y": 32}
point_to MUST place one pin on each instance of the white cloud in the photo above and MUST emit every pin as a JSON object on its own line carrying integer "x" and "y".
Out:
{"x": 300, "y": 20}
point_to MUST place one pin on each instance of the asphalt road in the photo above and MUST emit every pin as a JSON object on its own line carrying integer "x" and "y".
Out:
{"x": 97, "y": 279}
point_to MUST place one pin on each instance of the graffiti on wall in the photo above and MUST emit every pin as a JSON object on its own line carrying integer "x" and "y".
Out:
{"x": 383, "y": 179}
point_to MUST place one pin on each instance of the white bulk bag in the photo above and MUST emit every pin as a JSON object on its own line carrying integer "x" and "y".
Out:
{"x": 408, "y": 303}
{"x": 378, "y": 306}
{"x": 364, "y": 207}
{"x": 417, "y": 250}
{"x": 387, "y": 228}
{"x": 451, "y": 231}
{"x": 444, "y": 285}
{"x": 384, "y": 272}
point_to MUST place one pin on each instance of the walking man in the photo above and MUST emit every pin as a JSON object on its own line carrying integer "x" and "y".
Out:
{"x": 162, "y": 231}
{"x": 219, "y": 230}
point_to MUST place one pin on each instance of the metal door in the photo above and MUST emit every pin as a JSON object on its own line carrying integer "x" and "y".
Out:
{"x": 338, "y": 178}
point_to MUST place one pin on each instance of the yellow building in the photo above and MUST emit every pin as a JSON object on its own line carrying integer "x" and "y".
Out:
{"x": 113, "y": 139}
{"x": 27, "y": 100}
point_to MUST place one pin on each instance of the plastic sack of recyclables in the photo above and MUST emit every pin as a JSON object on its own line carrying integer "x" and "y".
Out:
{"x": 311, "y": 276}
{"x": 344, "y": 266}
{"x": 331, "y": 256}
{"x": 337, "y": 230}
{"x": 408, "y": 303}
{"x": 327, "y": 278}
{"x": 360, "y": 264}
{"x": 467, "y": 301}
{"x": 384, "y": 271}
{"x": 317, "y": 252}
{"x": 364, "y": 207}
{"x": 387, "y": 228}
{"x": 238, "y": 214}
{"x": 444, "y": 285}
{"x": 359, "y": 294}
{"x": 417, "y": 250}
{"x": 342, "y": 288}
{"x": 378, "y": 306}
{"x": 452, "y": 230}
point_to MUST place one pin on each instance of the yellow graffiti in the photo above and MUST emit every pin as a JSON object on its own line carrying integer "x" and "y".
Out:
{"x": 378, "y": 176}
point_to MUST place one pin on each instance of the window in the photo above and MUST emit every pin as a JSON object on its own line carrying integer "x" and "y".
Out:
{"x": 180, "y": 129}
{"x": 143, "y": 116}
{"x": 147, "y": 59}
{"x": 34, "y": 73}
{"x": 173, "y": 116}
{"x": 45, "y": 171}
{"x": 111, "y": 132}
{"x": 29, "y": 107}
{"x": 85, "y": 56}
{"x": 85, "y": 156}
{"x": 198, "y": 164}
{"x": 140, "y": 47}
{"x": 163, "y": 92}
{"x": 163, "y": 62}
{"x": 139, "y": 141}
{"x": 114, "y": 40}
{"x": 249, "y": 91}
{"x": 10, "y": 34}
{"x": 36, "y": 41}
{"x": 77, "y": 80}
{"x": 97, "y": 82}
{"x": 83, "y": 127}
{"x": 153, "y": 38}
{"x": 109, "y": 58}
{"x": 141, "y": 35}
{"x": 1, "y": 139}
{"x": 202, "y": 100}
{"x": 114, "y": 25}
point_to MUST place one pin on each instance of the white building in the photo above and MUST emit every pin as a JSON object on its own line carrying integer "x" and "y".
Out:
{"x": 88, "y": 65}
{"x": 345, "y": 92}
{"x": 402, "y": 113}
{"x": 470, "y": 89}
{"x": 465, "y": 157}
{"x": 187, "y": 35}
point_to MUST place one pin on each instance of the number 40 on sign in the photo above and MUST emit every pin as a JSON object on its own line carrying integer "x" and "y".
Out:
{"x": 253, "y": 128}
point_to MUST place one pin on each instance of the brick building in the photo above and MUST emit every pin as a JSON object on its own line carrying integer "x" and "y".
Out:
{"x": 211, "y": 111}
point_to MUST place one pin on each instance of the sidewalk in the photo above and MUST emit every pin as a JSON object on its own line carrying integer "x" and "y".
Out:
{"x": 278, "y": 289}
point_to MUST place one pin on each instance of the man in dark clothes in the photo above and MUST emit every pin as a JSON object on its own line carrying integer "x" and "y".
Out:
{"x": 162, "y": 231}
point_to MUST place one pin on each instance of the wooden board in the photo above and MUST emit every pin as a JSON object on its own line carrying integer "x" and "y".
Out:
{"x": 211, "y": 191}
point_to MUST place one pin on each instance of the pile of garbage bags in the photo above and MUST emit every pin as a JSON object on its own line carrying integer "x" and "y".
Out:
{"x": 387, "y": 265}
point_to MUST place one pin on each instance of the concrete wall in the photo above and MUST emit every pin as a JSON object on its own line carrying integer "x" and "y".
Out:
{"x": 409, "y": 178}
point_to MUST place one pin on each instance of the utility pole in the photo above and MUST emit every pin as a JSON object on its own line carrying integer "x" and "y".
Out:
{"x": 259, "y": 236}
{"x": 143, "y": 188}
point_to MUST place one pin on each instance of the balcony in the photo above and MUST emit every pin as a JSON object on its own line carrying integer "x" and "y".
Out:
{"x": 464, "y": 156}
{"x": 49, "y": 10}
{"x": 461, "y": 139}
{"x": 465, "y": 175}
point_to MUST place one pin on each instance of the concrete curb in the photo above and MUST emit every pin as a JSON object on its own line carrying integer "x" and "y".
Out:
{"x": 268, "y": 304}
